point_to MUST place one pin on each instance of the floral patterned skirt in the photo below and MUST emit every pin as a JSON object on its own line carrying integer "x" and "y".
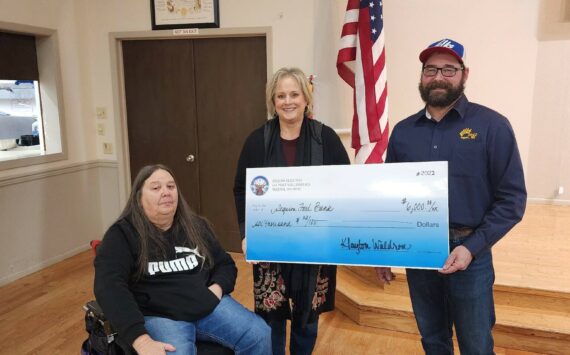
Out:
{"x": 271, "y": 291}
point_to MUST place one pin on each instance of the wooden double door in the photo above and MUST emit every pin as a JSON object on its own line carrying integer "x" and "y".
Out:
{"x": 190, "y": 105}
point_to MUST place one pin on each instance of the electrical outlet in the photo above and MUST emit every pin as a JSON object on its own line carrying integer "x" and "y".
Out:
{"x": 101, "y": 129}
{"x": 108, "y": 148}
{"x": 101, "y": 112}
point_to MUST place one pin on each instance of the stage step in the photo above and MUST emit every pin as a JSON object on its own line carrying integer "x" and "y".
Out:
{"x": 527, "y": 319}
{"x": 525, "y": 297}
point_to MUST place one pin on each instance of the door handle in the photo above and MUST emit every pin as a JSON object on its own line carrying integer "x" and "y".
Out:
{"x": 190, "y": 158}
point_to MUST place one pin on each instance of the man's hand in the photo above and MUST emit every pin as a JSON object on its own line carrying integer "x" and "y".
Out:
{"x": 384, "y": 274}
{"x": 144, "y": 345}
{"x": 459, "y": 259}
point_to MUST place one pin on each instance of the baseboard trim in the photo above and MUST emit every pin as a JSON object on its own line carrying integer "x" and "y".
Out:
{"x": 548, "y": 201}
{"x": 30, "y": 270}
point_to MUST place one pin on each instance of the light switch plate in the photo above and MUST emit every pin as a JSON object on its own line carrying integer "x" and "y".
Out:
{"x": 107, "y": 148}
{"x": 101, "y": 113}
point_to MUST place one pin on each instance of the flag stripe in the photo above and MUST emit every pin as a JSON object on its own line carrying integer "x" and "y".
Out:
{"x": 348, "y": 42}
{"x": 350, "y": 17}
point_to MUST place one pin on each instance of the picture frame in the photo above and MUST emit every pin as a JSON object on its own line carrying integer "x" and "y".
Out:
{"x": 175, "y": 14}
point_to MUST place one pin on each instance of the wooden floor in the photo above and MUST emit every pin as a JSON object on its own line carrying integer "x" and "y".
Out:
{"x": 536, "y": 253}
{"x": 42, "y": 314}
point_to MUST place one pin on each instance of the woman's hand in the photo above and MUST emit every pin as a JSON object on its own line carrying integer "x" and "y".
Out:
{"x": 216, "y": 290}
{"x": 144, "y": 345}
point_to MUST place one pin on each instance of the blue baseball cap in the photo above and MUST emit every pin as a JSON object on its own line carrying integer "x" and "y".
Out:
{"x": 445, "y": 45}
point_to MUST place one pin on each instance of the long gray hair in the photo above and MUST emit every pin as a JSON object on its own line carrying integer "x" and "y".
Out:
{"x": 185, "y": 221}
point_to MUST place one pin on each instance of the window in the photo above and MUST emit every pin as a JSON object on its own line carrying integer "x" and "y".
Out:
{"x": 21, "y": 124}
{"x": 30, "y": 114}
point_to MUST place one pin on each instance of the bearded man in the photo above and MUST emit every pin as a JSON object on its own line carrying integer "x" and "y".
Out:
{"x": 487, "y": 197}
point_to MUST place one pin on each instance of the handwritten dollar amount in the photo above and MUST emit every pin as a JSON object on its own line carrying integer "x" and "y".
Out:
{"x": 301, "y": 221}
{"x": 428, "y": 206}
{"x": 308, "y": 221}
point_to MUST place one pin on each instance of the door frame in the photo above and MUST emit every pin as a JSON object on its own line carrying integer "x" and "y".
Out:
{"x": 118, "y": 82}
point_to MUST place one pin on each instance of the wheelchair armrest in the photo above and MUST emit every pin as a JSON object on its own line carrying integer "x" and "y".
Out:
{"x": 94, "y": 311}
{"x": 93, "y": 306}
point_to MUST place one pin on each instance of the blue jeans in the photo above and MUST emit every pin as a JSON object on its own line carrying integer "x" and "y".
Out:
{"x": 302, "y": 340}
{"x": 463, "y": 299}
{"x": 229, "y": 324}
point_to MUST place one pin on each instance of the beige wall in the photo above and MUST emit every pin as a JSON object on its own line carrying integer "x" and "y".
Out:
{"x": 511, "y": 71}
{"x": 549, "y": 158}
{"x": 53, "y": 214}
{"x": 500, "y": 42}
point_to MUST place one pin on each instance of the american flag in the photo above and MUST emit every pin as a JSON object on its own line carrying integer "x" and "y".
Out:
{"x": 362, "y": 41}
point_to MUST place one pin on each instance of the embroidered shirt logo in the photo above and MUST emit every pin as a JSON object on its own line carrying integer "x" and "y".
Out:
{"x": 467, "y": 133}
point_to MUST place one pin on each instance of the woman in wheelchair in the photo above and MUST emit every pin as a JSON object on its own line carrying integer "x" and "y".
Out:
{"x": 163, "y": 280}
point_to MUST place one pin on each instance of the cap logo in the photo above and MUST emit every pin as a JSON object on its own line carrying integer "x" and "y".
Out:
{"x": 444, "y": 43}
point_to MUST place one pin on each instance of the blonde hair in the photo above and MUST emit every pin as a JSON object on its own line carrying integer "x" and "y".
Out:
{"x": 301, "y": 79}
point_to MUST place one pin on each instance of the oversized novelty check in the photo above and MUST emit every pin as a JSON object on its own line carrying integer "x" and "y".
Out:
{"x": 373, "y": 215}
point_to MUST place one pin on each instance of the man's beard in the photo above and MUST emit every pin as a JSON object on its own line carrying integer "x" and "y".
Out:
{"x": 441, "y": 99}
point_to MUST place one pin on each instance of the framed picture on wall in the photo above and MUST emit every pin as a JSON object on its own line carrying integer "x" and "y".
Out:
{"x": 172, "y": 14}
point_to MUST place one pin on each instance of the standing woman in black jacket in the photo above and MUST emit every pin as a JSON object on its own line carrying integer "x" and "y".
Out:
{"x": 290, "y": 138}
{"x": 163, "y": 280}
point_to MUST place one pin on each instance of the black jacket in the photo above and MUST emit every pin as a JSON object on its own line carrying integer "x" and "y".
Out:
{"x": 174, "y": 287}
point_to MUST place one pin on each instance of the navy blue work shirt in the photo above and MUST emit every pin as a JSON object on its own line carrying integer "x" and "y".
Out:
{"x": 486, "y": 181}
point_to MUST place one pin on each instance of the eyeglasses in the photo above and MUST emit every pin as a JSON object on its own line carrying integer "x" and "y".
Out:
{"x": 448, "y": 72}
